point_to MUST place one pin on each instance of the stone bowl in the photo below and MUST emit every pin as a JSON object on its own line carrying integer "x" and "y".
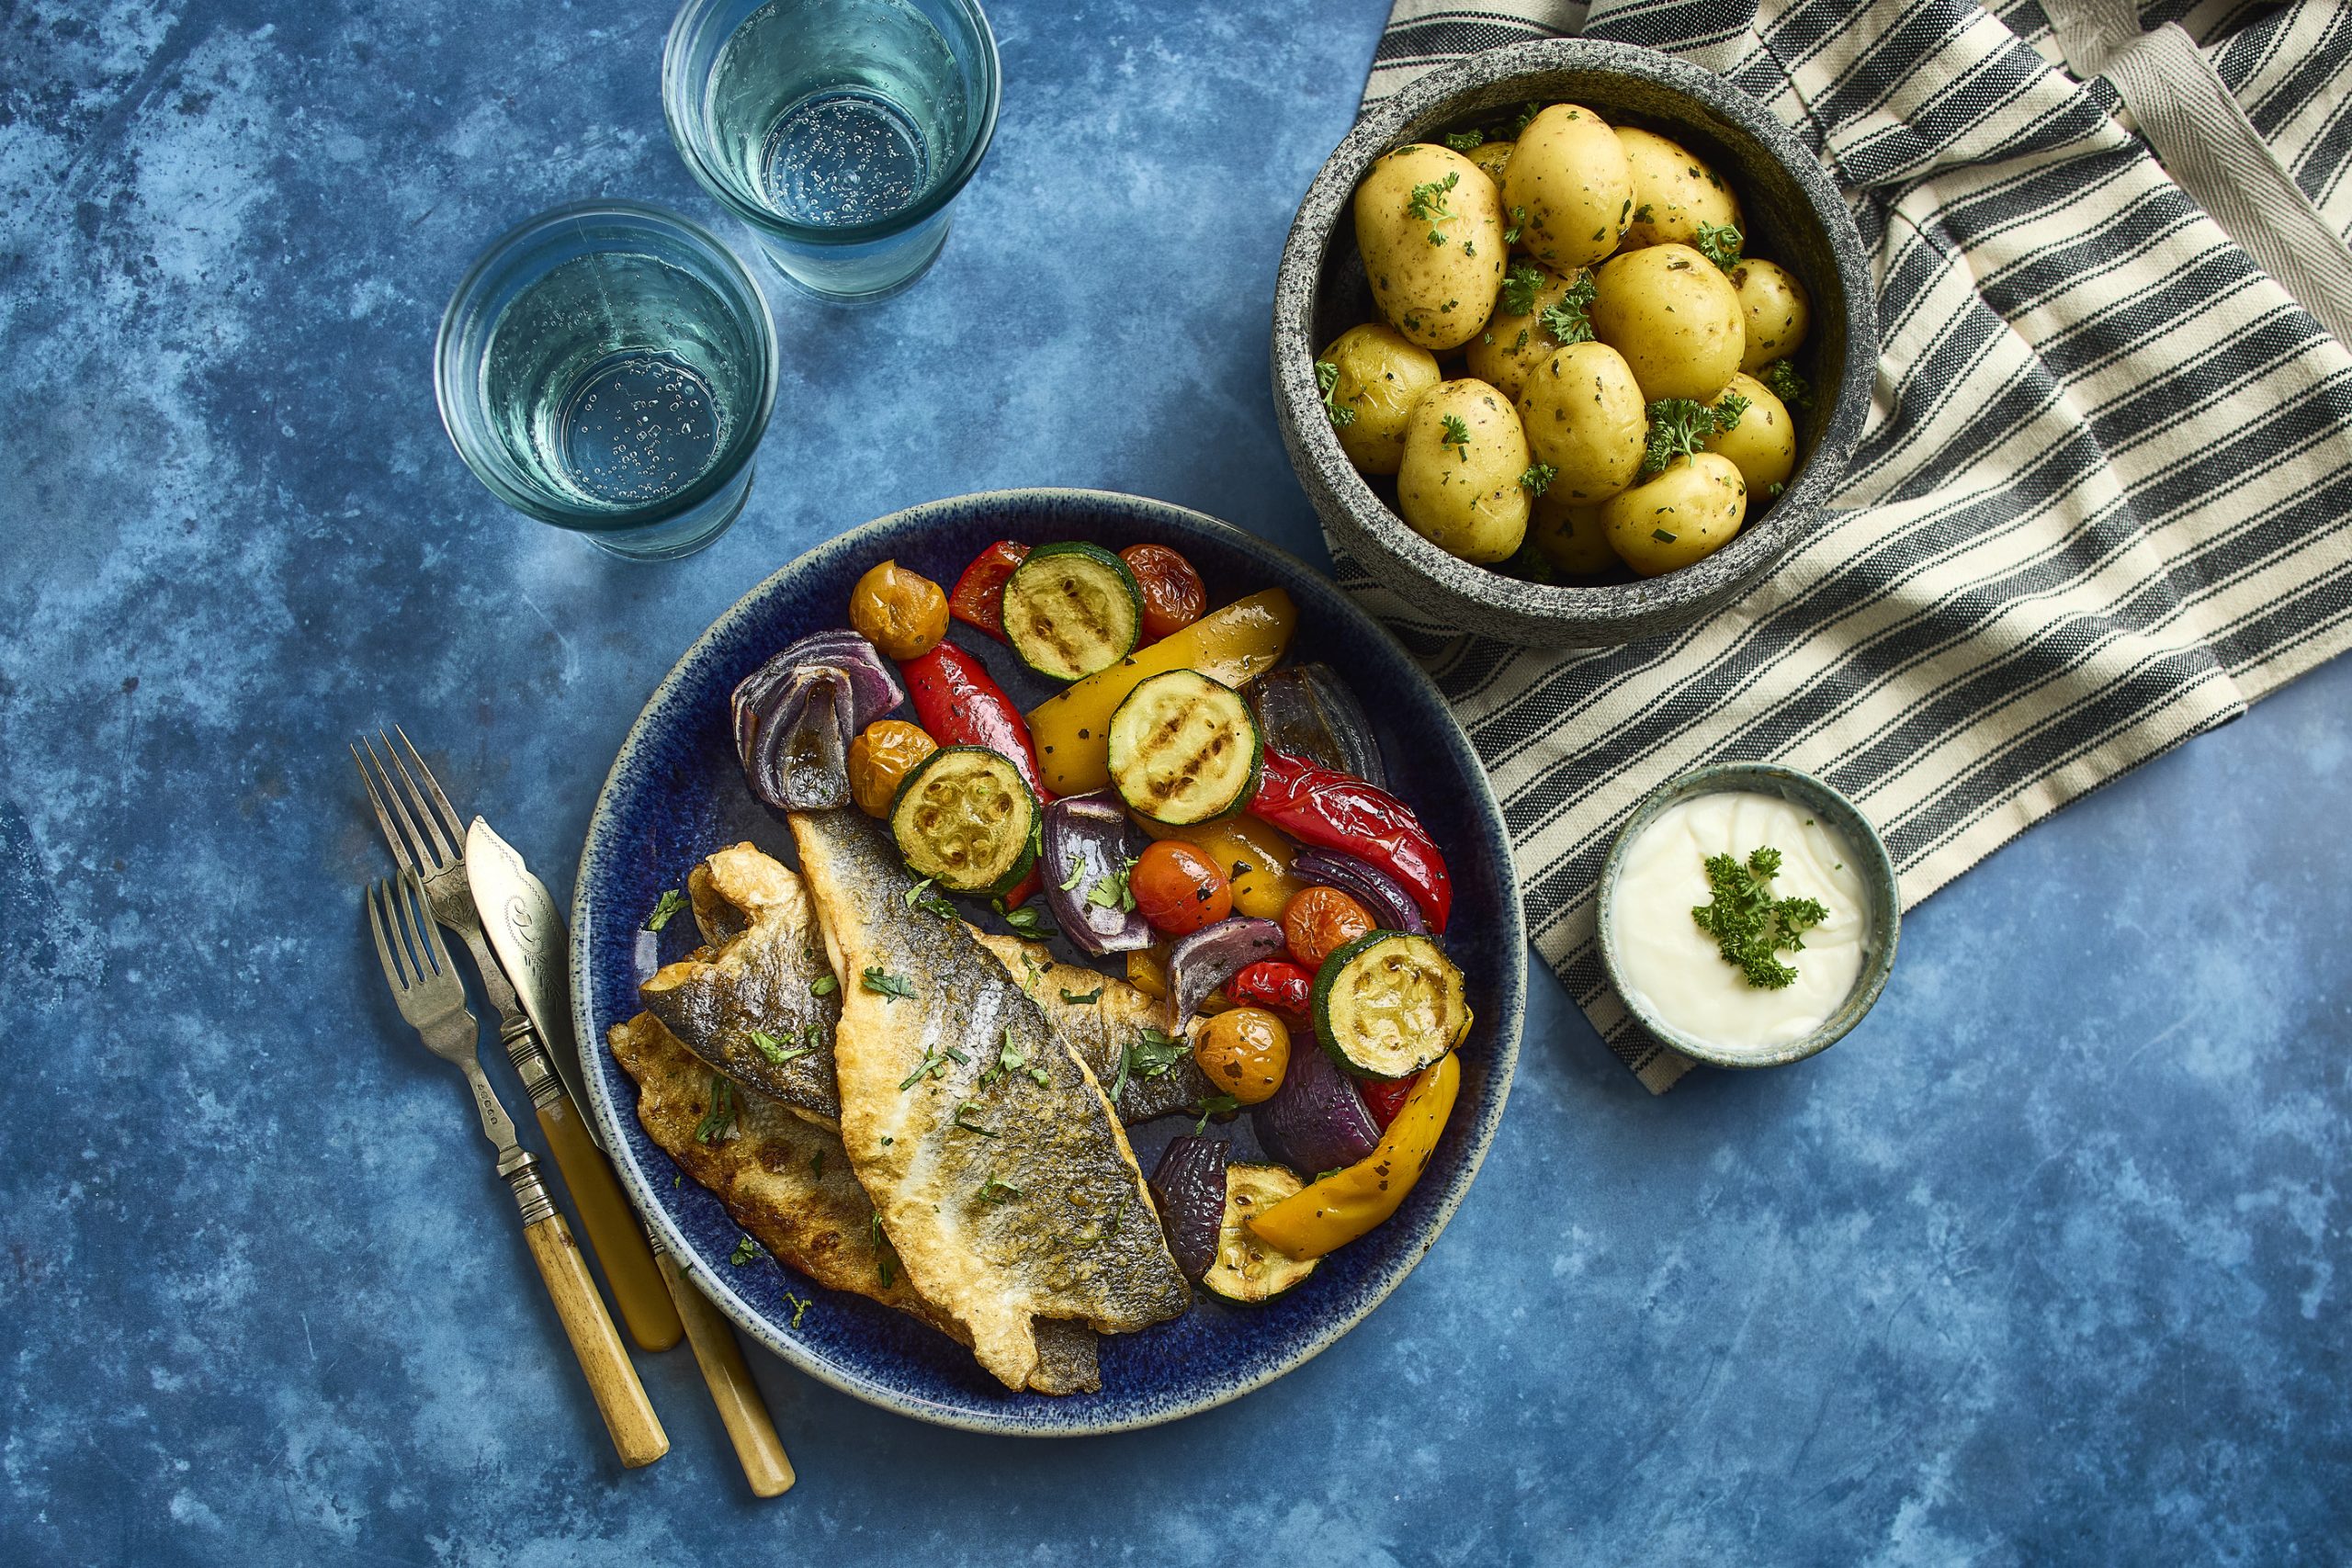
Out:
{"x": 1794, "y": 216}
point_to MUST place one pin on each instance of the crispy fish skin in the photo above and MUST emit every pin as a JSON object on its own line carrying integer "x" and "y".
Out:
{"x": 1101, "y": 1031}
{"x": 1001, "y": 1173}
{"x": 758, "y": 975}
{"x": 788, "y": 1183}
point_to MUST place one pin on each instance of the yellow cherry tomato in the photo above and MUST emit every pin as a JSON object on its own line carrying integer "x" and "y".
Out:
{"x": 884, "y": 753}
{"x": 902, "y": 613}
{"x": 1244, "y": 1053}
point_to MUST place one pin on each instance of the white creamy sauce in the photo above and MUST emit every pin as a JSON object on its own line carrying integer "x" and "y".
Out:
{"x": 1675, "y": 967}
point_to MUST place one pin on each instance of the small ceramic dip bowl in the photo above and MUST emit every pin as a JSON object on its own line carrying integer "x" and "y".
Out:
{"x": 1871, "y": 870}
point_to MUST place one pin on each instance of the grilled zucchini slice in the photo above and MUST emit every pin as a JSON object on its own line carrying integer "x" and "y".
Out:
{"x": 1072, "y": 609}
{"x": 1248, "y": 1271}
{"x": 964, "y": 818}
{"x": 1184, "y": 749}
{"x": 1387, "y": 1005}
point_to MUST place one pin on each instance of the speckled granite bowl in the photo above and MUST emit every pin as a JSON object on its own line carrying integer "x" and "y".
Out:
{"x": 675, "y": 793}
{"x": 1878, "y": 874}
{"x": 1795, "y": 216}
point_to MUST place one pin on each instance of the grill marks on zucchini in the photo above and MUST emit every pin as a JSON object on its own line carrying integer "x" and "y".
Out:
{"x": 1184, "y": 748}
{"x": 1071, "y": 610}
{"x": 963, "y": 818}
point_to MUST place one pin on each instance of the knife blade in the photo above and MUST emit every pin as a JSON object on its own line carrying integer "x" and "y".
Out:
{"x": 526, "y": 933}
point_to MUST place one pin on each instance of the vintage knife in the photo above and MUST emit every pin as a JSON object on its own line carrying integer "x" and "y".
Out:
{"x": 526, "y": 934}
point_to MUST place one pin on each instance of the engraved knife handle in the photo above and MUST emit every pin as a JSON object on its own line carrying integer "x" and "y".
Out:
{"x": 620, "y": 1398}
{"x": 741, "y": 1408}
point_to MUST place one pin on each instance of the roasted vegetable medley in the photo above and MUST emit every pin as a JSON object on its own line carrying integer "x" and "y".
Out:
{"x": 1576, "y": 371}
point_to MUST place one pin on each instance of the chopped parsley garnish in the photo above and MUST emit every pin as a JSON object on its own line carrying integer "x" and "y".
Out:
{"x": 1662, "y": 536}
{"x": 1642, "y": 215}
{"x": 882, "y": 983}
{"x": 668, "y": 905}
{"x": 1011, "y": 1059}
{"x": 1527, "y": 111}
{"x": 1518, "y": 222}
{"x": 1455, "y": 434}
{"x": 1464, "y": 141}
{"x": 885, "y": 1258}
{"x": 966, "y": 1109}
{"x": 1678, "y": 428}
{"x": 1780, "y": 379}
{"x": 1215, "y": 1105}
{"x": 1536, "y": 481}
{"x": 1025, "y": 921}
{"x": 1083, "y": 998}
{"x": 1149, "y": 1055}
{"x": 1521, "y": 286}
{"x": 1719, "y": 242}
{"x": 775, "y": 1049}
{"x": 934, "y": 1062}
{"x": 1427, "y": 203}
{"x": 745, "y": 1250}
{"x": 920, "y": 897}
{"x": 800, "y": 1305}
{"x": 1110, "y": 890}
{"x": 1772, "y": 491}
{"x": 824, "y": 985}
{"x": 1327, "y": 1175}
{"x": 1327, "y": 381}
{"x": 1748, "y": 924}
{"x": 1570, "y": 320}
{"x": 717, "y": 1124}
{"x": 995, "y": 1192}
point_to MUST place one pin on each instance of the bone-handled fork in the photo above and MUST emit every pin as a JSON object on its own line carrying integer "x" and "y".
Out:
{"x": 433, "y": 1000}
{"x": 420, "y": 844}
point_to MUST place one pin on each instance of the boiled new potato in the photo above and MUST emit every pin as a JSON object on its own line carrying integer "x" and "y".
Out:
{"x": 1685, "y": 514}
{"x": 1570, "y": 178}
{"x": 1674, "y": 192}
{"x": 1430, "y": 228}
{"x": 1674, "y": 316}
{"x": 1516, "y": 340}
{"x": 1571, "y": 535}
{"x": 1459, "y": 485}
{"x": 1376, "y": 375}
{"x": 1773, "y": 308}
{"x": 1763, "y": 444}
{"x": 1583, "y": 414}
{"x": 1494, "y": 157}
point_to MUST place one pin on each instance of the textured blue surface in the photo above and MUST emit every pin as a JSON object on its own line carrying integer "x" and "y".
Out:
{"x": 2048, "y": 1260}
{"x": 677, "y": 792}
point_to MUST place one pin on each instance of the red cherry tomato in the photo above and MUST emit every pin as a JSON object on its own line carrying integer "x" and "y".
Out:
{"x": 1318, "y": 922}
{"x": 1173, "y": 595}
{"x": 1383, "y": 1099}
{"x": 1275, "y": 984}
{"x": 1178, "y": 888}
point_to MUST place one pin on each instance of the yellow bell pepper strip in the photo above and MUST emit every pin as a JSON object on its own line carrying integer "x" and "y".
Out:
{"x": 1253, "y": 856}
{"x": 1327, "y": 1214}
{"x": 1073, "y": 729}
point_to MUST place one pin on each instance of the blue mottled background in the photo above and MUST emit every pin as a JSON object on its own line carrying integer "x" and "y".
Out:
{"x": 2047, "y": 1262}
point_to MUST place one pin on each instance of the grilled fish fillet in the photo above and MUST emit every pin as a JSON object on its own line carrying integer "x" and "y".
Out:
{"x": 1120, "y": 1017}
{"x": 788, "y": 1183}
{"x": 757, "y": 977}
{"x": 998, "y": 1169}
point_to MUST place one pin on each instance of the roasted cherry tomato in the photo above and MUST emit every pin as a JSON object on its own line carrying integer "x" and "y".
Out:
{"x": 1244, "y": 1054}
{"x": 884, "y": 753}
{"x": 1275, "y": 984}
{"x": 1178, "y": 888}
{"x": 902, "y": 613}
{"x": 1321, "y": 921}
{"x": 979, "y": 599}
{"x": 1173, "y": 595}
{"x": 1384, "y": 1097}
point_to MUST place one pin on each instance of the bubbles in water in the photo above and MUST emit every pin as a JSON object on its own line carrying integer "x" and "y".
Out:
{"x": 842, "y": 157}
{"x": 638, "y": 427}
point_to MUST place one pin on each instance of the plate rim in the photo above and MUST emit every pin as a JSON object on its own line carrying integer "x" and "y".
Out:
{"x": 642, "y": 1191}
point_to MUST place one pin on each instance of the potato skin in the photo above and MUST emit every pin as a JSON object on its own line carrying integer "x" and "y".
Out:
{"x": 1465, "y": 499}
{"x": 1674, "y": 316}
{"x": 1685, "y": 514}
{"x": 1763, "y": 444}
{"x": 1382, "y": 375}
{"x": 1584, "y": 414}
{"x": 1570, "y": 175}
{"x": 1439, "y": 295}
{"x": 1494, "y": 157}
{"x": 1773, "y": 310}
{"x": 1571, "y": 535}
{"x": 1674, "y": 192}
{"x": 1508, "y": 352}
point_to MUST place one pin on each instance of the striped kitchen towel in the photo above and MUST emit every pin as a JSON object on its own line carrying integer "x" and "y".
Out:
{"x": 2104, "y": 499}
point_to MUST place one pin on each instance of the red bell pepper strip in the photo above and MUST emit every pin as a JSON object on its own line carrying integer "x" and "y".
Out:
{"x": 978, "y": 598}
{"x": 1385, "y": 1098}
{"x": 1333, "y": 810}
{"x": 1275, "y": 984}
{"x": 957, "y": 703}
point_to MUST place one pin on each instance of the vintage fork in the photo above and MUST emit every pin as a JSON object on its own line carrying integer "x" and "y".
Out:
{"x": 420, "y": 844}
{"x": 431, "y": 996}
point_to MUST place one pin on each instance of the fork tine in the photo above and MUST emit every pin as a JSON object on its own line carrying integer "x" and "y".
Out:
{"x": 392, "y": 971}
{"x": 427, "y": 930}
{"x": 456, "y": 823}
{"x": 421, "y": 855}
{"x": 424, "y": 812}
{"x": 392, "y": 840}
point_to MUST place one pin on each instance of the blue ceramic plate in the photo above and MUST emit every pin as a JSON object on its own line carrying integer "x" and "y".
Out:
{"x": 675, "y": 793}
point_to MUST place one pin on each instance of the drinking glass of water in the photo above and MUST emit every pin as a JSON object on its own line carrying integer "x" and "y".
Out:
{"x": 609, "y": 367}
{"x": 838, "y": 129}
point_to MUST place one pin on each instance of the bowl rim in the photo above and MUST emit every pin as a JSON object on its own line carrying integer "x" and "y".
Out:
{"x": 598, "y": 847}
{"x": 1860, "y": 833}
{"x": 1323, "y": 464}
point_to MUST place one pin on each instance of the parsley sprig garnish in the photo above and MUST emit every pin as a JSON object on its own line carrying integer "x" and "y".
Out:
{"x": 1748, "y": 924}
{"x": 1327, "y": 381}
{"x": 1570, "y": 320}
{"x": 1149, "y": 1055}
{"x": 934, "y": 1062}
{"x": 1538, "y": 479}
{"x": 1680, "y": 428}
{"x": 1521, "y": 286}
{"x": 1455, "y": 433}
{"x": 777, "y": 1051}
{"x": 717, "y": 1124}
{"x": 1780, "y": 379}
{"x": 1728, "y": 408}
{"x": 666, "y": 906}
{"x": 745, "y": 1250}
{"x": 884, "y": 984}
{"x": 1720, "y": 242}
{"x": 1464, "y": 141}
{"x": 1427, "y": 203}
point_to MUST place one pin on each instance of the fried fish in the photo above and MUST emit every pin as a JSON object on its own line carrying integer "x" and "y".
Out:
{"x": 1107, "y": 1020}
